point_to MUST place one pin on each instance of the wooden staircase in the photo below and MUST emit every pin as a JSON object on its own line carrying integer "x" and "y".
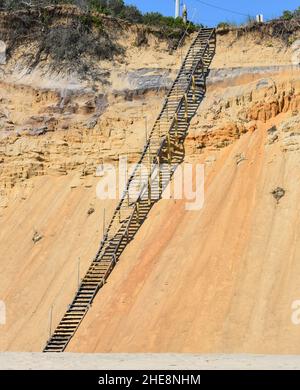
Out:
{"x": 163, "y": 151}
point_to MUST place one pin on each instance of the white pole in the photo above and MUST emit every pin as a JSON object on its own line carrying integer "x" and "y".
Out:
{"x": 184, "y": 14}
{"x": 177, "y": 8}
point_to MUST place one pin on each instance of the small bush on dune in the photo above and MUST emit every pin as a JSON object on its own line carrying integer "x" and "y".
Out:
{"x": 224, "y": 25}
{"x": 132, "y": 13}
{"x": 289, "y": 15}
{"x": 68, "y": 46}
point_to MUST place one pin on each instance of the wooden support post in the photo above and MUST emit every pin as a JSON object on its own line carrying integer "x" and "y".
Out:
{"x": 149, "y": 190}
{"x": 202, "y": 67}
{"x": 194, "y": 88}
{"x": 192, "y": 56}
{"x": 167, "y": 111}
{"x": 176, "y": 126}
{"x": 159, "y": 174}
{"x": 138, "y": 212}
{"x": 149, "y": 155}
{"x": 169, "y": 148}
{"x": 186, "y": 107}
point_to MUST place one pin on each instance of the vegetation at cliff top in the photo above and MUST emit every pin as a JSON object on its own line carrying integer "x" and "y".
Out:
{"x": 77, "y": 42}
{"x": 115, "y": 8}
{"x": 286, "y": 15}
{"x": 286, "y": 27}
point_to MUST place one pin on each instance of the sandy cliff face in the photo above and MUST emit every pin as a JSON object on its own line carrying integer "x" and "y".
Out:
{"x": 53, "y": 135}
{"x": 221, "y": 279}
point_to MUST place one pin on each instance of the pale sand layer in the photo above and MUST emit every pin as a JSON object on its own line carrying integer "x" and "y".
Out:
{"x": 73, "y": 361}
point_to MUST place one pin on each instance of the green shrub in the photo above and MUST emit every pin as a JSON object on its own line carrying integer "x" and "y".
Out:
{"x": 17, "y": 4}
{"x": 116, "y": 8}
{"x": 223, "y": 25}
{"x": 132, "y": 14}
{"x": 89, "y": 21}
{"x": 111, "y": 7}
{"x": 69, "y": 46}
{"x": 287, "y": 15}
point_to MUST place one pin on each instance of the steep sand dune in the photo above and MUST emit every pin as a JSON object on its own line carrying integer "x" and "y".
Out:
{"x": 36, "y": 276}
{"x": 221, "y": 279}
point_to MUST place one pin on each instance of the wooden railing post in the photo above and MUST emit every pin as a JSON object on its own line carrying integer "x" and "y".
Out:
{"x": 194, "y": 88}
{"x": 138, "y": 212}
{"x": 159, "y": 176}
{"x": 176, "y": 126}
{"x": 167, "y": 107}
{"x": 169, "y": 148}
{"x": 186, "y": 107}
{"x": 149, "y": 190}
